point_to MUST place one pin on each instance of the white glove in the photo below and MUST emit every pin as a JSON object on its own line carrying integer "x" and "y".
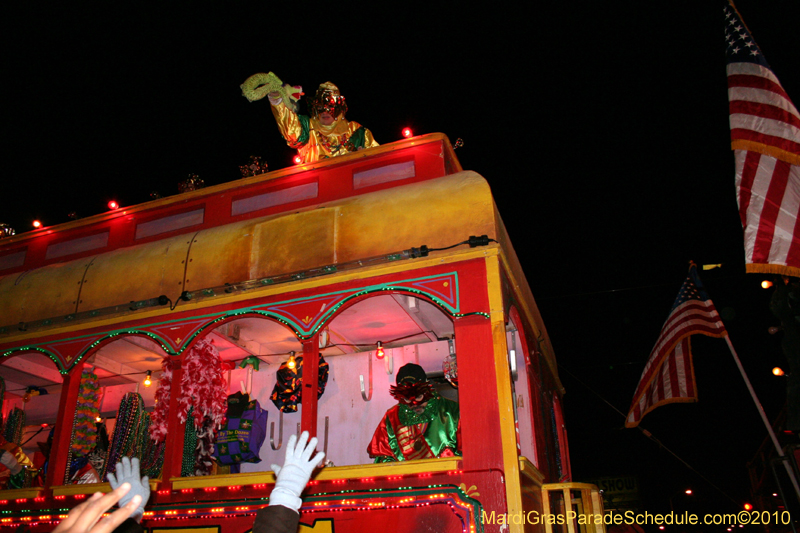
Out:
{"x": 295, "y": 473}
{"x": 128, "y": 472}
{"x": 8, "y": 460}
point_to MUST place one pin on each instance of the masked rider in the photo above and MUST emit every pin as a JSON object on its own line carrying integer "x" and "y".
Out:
{"x": 326, "y": 133}
{"x": 423, "y": 425}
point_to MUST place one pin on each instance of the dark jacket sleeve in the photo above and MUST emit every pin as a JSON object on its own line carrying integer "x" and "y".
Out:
{"x": 276, "y": 519}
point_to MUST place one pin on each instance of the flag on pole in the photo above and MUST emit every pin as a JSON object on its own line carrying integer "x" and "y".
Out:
{"x": 765, "y": 137}
{"x": 668, "y": 376}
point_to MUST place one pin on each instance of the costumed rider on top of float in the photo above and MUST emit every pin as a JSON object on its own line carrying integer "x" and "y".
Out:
{"x": 325, "y": 134}
{"x": 422, "y": 426}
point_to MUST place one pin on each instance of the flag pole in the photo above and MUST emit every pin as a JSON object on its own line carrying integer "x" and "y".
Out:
{"x": 761, "y": 412}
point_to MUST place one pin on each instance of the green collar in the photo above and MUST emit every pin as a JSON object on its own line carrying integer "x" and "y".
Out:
{"x": 409, "y": 417}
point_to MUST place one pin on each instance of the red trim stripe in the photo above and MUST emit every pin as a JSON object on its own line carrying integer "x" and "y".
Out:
{"x": 756, "y": 82}
{"x": 746, "y": 185}
{"x": 768, "y": 111}
{"x": 769, "y": 213}
{"x": 763, "y": 138}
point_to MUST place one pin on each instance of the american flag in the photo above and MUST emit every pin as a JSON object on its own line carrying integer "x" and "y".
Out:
{"x": 765, "y": 137}
{"x": 668, "y": 376}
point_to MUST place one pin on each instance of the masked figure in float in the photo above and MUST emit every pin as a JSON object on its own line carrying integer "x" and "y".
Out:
{"x": 423, "y": 425}
{"x": 327, "y": 133}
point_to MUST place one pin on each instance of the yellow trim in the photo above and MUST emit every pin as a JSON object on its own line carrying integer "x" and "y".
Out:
{"x": 20, "y": 494}
{"x": 530, "y": 471}
{"x": 91, "y": 488}
{"x": 772, "y": 151}
{"x": 761, "y": 268}
{"x": 329, "y": 473}
{"x": 436, "y": 258}
{"x": 589, "y": 502}
{"x": 572, "y": 486}
{"x": 508, "y": 433}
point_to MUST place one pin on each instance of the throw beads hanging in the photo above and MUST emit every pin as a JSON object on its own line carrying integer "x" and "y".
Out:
{"x": 130, "y": 433}
{"x": 202, "y": 400}
{"x": 84, "y": 430}
{"x": 15, "y": 426}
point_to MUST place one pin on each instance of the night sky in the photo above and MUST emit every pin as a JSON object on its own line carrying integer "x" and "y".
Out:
{"x": 601, "y": 127}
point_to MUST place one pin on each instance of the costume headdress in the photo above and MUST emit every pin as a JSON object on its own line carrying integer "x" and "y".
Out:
{"x": 327, "y": 99}
{"x": 413, "y": 387}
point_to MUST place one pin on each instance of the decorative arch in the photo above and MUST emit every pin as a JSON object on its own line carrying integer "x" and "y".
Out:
{"x": 232, "y": 316}
{"x": 110, "y": 337}
{"x": 28, "y": 349}
{"x": 304, "y": 316}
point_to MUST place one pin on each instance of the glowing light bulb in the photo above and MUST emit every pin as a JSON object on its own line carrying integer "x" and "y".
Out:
{"x": 380, "y": 353}
{"x": 37, "y": 224}
{"x": 291, "y": 363}
{"x": 778, "y": 371}
{"x": 748, "y": 507}
{"x": 147, "y": 380}
{"x": 113, "y": 205}
{"x": 766, "y": 284}
{"x": 297, "y": 159}
{"x": 407, "y": 132}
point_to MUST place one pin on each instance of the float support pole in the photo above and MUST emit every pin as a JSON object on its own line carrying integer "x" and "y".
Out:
{"x": 62, "y": 436}
{"x": 310, "y": 384}
{"x": 784, "y": 459}
{"x": 173, "y": 447}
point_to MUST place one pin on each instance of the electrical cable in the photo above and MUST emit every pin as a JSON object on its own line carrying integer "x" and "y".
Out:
{"x": 650, "y": 436}
{"x": 473, "y": 242}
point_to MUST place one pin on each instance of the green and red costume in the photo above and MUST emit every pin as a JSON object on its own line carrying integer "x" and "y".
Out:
{"x": 404, "y": 435}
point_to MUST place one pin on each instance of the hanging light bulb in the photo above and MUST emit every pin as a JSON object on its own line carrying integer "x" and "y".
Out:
{"x": 766, "y": 284}
{"x": 778, "y": 371}
{"x": 380, "y": 353}
{"x": 147, "y": 380}
{"x": 291, "y": 363}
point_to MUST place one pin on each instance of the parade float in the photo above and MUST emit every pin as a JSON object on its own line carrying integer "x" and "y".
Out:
{"x": 300, "y": 292}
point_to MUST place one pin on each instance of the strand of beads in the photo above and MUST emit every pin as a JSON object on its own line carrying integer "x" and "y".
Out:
{"x": 125, "y": 432}
{"x": 85, "y": 428}
{"x": 15, "y": 426}
{"x": 189, "y": 446}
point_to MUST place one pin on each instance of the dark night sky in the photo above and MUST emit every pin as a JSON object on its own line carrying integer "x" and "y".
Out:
{"x": 602, "y": 128}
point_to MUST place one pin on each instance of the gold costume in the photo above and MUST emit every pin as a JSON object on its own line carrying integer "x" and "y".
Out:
{"x": 18, "y": 454}
{"x": 13, "y": 481}
{"x": 315, "y": 141}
